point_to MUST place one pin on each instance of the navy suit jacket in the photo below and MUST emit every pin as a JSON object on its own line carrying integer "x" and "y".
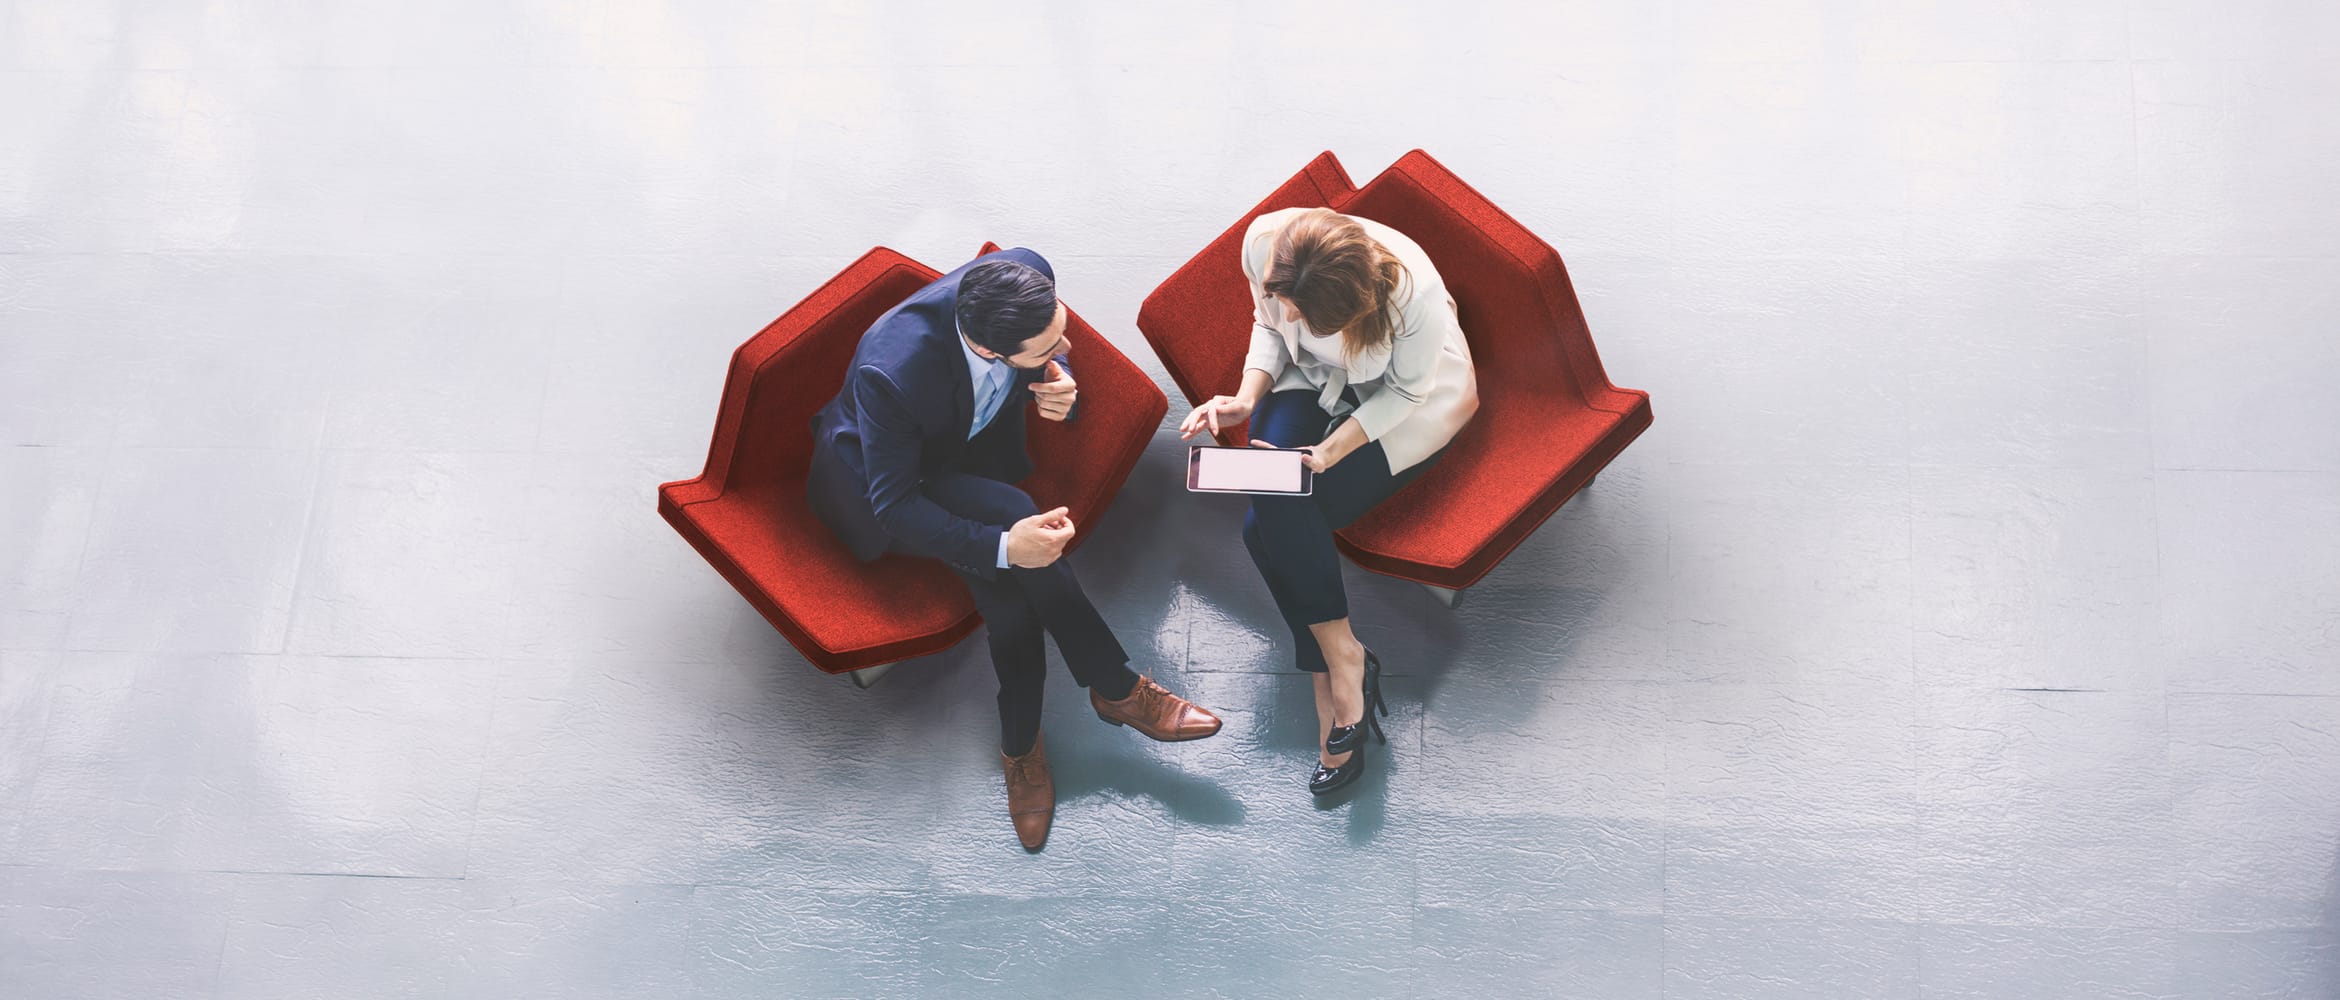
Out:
{"x": 902, "y": 419}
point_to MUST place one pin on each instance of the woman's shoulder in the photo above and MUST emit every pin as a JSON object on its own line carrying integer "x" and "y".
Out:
{"x": 1423, "y": 285}
{"x": 1408, "y": 252}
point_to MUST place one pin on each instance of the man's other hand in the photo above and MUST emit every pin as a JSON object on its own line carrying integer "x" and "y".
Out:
{"x": 1056, "y": 393}
{"x": 1039, "y": 540}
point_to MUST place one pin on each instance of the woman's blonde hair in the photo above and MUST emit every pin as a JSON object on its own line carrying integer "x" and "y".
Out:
{"x": 1342, "y": 281}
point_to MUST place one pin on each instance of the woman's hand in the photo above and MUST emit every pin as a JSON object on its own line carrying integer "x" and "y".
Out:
{"x": 1317, "y": 457}
{"x": 1216, "y": 414}
{"x": 1325, "y": 454}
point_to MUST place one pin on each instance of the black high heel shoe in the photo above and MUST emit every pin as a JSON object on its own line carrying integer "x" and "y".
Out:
{"x": 1344, "y": 739}
{"x": 1328, "y": 780}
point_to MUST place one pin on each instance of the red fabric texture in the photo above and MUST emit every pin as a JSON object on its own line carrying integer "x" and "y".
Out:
{"x": 746, "y": 513}
{"x": 1548, "y": 421}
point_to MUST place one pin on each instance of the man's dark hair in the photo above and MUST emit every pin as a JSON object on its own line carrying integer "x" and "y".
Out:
{"x": 1002, "y": 304}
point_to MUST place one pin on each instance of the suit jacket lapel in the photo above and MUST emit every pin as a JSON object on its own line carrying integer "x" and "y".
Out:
{"x": 962, "y": 395}
{"x": 962, "y": 383}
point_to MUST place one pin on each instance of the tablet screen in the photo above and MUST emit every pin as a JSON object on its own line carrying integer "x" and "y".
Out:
{"x": 1253, "y": 470}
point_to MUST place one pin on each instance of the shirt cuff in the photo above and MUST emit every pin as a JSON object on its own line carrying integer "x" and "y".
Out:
{"x": 1003, "y": 563}
{"x": 1382, "y": 413}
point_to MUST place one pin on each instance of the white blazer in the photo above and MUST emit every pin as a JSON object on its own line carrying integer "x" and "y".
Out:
{"x": 1413, "y": 394}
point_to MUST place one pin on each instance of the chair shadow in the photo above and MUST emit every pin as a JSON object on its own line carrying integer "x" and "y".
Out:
{"x": 1366, "y": 803}
{"x": 2329, "y": 967}
{"x": 1440, "y": 631}
{"x": 1437, "y": 640}
{"x": 1148, "y": 555}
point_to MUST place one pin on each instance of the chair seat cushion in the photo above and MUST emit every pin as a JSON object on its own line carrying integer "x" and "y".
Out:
{"x": 774, "y": 545}
{"x": 1507, "y": 469}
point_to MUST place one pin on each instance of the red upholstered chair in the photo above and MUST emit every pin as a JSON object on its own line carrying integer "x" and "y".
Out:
{"x": 1548, "y": 419}
{"x": 746, "y": 513}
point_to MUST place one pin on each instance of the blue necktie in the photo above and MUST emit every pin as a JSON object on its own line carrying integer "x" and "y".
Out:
{"x": 989, "y": 390}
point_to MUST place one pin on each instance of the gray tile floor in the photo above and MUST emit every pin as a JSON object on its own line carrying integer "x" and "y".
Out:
{"x": 1965, "y": 627}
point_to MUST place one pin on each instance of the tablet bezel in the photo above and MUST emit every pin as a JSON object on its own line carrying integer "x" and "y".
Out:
{"x": 1194, "y": 471}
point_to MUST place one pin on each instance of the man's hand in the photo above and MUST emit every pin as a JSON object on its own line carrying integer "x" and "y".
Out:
{"x": 1055, "y": 394}
{"x": 1038, "y": 540}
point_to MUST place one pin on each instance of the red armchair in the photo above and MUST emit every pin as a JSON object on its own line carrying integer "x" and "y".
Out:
{"x": 1548, "y": 420}
{"x": 746, "y": 513}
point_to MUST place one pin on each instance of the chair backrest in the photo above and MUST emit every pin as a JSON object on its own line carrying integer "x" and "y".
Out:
{"x": 1504, "y": 280}
{"x": 787, "y": 372}
{"x": 1202, "y": 314}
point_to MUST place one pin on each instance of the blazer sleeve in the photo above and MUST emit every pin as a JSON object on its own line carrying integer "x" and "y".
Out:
{"x": 1267, "y": 352}
{"x": 890, "y": 451}
{"x": 1421, "y": 336}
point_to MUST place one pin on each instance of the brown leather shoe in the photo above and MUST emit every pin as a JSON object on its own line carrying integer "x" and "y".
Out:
{"x": 1154, "y": 711}
{"x": 1031, "y": 794}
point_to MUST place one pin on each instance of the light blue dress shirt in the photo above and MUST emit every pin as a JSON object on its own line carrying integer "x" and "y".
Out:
{"x": 991, "y": 381}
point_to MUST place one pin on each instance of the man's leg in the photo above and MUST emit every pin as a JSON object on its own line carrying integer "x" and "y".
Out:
{"x": 1054, "y": 598}
{"x": 1018, "y": 656}
{"x": 1049, "y": 595}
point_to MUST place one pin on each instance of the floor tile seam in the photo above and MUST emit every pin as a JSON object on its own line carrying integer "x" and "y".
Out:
{"x": 332, "y": 449}
{"x": 1669, "y": 652}
{"x": 2052, "y": 925}
{"x": 1526, "y": 908}
{"x": 1928, "y": 689}
{"x": 65, "y": 631}
{"x": 1804, "y": 465}
{"x": 2251, "y": 470}
{"x": 479, "y": 771}
{"x": 1693, "y": 260}
{"x": 458, "y": 256}
{"x": 2311, "y": 695}
{"x": 269, "y": 872}
{"x": 2106, "y": 470}
{"x": 309, "y": 525}
{"x": 493, "y": 879}
{"x": 298, "y": 655}
{"x": 1433, "y": 816}
{"x": 1670, "y": 59}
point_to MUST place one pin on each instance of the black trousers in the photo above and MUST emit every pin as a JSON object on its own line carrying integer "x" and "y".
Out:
{"x": 1021, "y": 605}
{"x": 1291, "y": 538}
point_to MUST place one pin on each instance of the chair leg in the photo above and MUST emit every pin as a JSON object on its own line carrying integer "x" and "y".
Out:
{"x": 867, "y": 676}
{"x": 1446, "y": 595}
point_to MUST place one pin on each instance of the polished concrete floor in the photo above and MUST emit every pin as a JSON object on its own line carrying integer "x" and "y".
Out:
{"x": 1968, "y": 625}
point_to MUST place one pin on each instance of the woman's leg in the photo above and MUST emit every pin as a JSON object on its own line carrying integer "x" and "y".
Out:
{"x": 1342, "y": 494}
{"x": 1341, "y": 698}
{"x": 1286, "y": 419}
{"x": 1324, "y": 716}
{"x": 1292, "y": 544}
{"x": 1291, "y": 541}
{"x": 1305, "y": 654}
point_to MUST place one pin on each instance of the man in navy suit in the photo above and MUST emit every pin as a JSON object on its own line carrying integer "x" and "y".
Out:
{"x": 919, "y": 453}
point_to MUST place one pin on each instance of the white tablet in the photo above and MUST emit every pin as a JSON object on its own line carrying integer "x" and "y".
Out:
{"x": 1216, "y": 469}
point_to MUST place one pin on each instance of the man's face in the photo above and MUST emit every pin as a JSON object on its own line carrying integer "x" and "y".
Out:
{"x": 1036, "y": 351}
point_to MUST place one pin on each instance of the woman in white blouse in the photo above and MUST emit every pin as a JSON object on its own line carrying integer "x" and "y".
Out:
{"x": 1356, "y": 356}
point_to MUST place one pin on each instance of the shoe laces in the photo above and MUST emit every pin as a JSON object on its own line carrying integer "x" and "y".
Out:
{"x": 1023, "y": 769}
